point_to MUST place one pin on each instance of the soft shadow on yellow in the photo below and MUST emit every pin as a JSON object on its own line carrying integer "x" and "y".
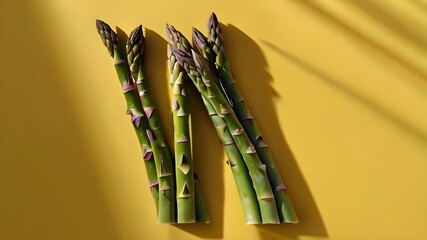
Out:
{"x": 355, "y": 33}
{"x": 411, "y": 31}
{"x": 420, "y": 4}
{"x": 328, "y": 79}
{"x": 390, "y": 21}
{"x": 49, "y": 188}
{"x": 252, "y": 76}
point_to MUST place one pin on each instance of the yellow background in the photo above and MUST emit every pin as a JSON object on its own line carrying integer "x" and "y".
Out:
{"x": 339, "y": 89}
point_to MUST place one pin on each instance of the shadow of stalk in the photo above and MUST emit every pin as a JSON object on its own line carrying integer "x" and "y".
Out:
{"x": 393, "y": 117}
{"x": 250, "y": 71}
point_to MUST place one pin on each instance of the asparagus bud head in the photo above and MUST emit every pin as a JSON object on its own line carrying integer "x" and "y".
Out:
{"x": 108, "y": 36}
{"x": 175, "y": 37}
{"x": 135, "y": 48}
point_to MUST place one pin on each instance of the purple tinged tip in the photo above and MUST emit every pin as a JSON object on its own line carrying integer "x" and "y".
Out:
{"x": 136, "y": 121}
{"x": 149, "y": 111}
{"x": 280, "y": 186}
{"x": 171, "y": 33}
{"x": 249, "y": 116}
{"x": 147, "y": 153}
{"x": 135, "y": 118}
{"x": 149, "y": 135}
{"x": 213, "y": 21}
{"x": 136, "y": 37}
{"x": 175, "y": 104}
{"x": 182, "y": 57}
{"x": 198, "y": 60}
{"x": 202, "y": 64}
{"x": 261, "y": 143}
{"x": 128, "y": 87}
{"x": 101, "y": 25}
{"x": 154, "y": 184}
{"x": 199, "y": 40}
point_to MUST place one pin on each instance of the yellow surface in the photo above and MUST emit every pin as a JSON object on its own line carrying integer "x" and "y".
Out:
{"x": 339, "y": 89}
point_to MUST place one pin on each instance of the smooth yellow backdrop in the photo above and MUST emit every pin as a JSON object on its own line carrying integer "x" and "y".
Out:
{"x": 339, "y": 89}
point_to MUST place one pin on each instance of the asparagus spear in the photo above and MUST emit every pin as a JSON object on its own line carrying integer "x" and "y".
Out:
{"x": 183, "y": 158}
{"x": 135, "y": 50}
{"x": 285, "y": 208}
{"x": 110, "y": 40}
{"x": 240, "y": 172}
{"x": 244, "y": 183}
{"x": 180, "y": 100}
{"x": 199, "y": 72}
{"x": 202, "y": 213}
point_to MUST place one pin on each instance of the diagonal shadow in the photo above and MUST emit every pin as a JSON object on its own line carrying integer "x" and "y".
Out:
{"x": 250, "y": 71}
{"x": 359, "y": 97}
{"x": 394, "y": 22}
{"x": 420, "y": 4}
{"x": 50, "y": 186}
{"x": 311, "y": 5}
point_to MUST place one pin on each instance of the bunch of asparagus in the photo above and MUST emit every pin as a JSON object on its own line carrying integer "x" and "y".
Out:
{"x": 177, "y": 194}
{"x": 261, "y": 190}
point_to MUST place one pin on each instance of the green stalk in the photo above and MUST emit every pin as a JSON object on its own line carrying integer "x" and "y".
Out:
{"x": 110, "y": 40}
{"x": 135, "y": 50}
{"x": 199, "y": 72}
{"x": 240, "y": 172}
{"x": 285, "y": 207}
{"x": 183, "y": 158}
{"x": 202, "y": 213}
{"x": 191, "y": 196}
{"x": 243, "y": 181}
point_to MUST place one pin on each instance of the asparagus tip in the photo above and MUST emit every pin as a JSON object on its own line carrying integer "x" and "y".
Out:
{"x": 199, "y": 39}
{"x": 101, "y": 25}
{"x": 171, "y": 32}
{"x": 200, "y": 62}
{"x": 136, "y": 38}
{"x": 108, "y": 36}
{"x": 135, "y": 34}
{"x": 184, "y": 59}
{"x": 213, "y": 20}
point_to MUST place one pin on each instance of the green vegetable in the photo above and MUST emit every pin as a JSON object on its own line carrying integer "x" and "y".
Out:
{"x": 199, "y": 72}
{"x": 183, "y": 158}
{"x": 177, "y": 73}
{"x": 139, "y": 121}
{"x": 135, "y": 51}
{"x": 285, "y": 208}
{"x": 240, "y": 172}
